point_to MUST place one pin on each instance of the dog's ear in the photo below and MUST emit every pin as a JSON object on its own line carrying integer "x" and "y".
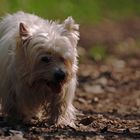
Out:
{"x": 23, "y": 31}
{"x": 71, "y": 30}
{"x": 70, "y": 25}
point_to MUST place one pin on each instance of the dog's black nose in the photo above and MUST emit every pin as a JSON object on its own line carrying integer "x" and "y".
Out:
{"x": 59, "y": 75}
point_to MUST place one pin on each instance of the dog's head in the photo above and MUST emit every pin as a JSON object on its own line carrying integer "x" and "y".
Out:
{"x": 47, "y": 56}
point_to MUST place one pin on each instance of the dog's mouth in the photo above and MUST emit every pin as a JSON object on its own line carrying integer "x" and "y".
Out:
{"x": 52, "y": 86}
{"x": 55, "y": 87}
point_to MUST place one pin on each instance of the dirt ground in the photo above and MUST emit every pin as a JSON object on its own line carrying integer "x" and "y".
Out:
{"x": 108, "y": 93}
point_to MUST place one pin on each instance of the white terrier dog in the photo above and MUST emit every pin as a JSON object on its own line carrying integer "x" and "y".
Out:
{"x": 38, "y": 66}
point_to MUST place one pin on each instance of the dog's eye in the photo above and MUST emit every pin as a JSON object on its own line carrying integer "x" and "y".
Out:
{"x": 46, "y": 59}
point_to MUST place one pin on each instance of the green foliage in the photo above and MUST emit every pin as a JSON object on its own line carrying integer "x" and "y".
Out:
{"x": 121, "y": 8}
{"x": 83, "y": 10}
{"x": 98, "y": 52}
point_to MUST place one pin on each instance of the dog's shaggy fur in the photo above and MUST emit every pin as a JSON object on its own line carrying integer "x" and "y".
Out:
{"x": 31, "y": 51}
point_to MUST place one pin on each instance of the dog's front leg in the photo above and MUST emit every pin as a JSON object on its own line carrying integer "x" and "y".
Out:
{"x": 54, "y": 110}
{"x": 63, "y": 112}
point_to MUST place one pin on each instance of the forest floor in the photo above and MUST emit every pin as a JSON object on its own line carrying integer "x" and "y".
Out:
{"x": 108, "y": 93}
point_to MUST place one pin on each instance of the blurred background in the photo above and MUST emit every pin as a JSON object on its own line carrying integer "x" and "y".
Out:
{"x": 109, "y": 32}
{"x": 103, "y": 24}
{"x": 108, "y": 92}
{"x": 109, "y": 35}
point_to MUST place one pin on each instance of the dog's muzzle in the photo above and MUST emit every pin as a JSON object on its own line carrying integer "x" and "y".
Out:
{"x": 59, "y": 76}
{"x": 58, "y": 81}
{"x": 55, "y": 85}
